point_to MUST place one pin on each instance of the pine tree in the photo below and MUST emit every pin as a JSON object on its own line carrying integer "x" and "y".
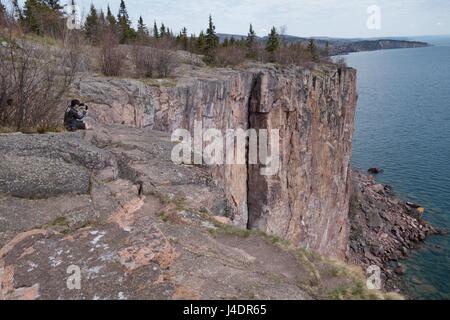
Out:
{"x": 155, "y": 30}
{"x": 162, "y": 31}
{"x": 251, "y": 37}
{"x": 110, "y": 18}
{"x": 192, "y": 42}
{"x": 201, "y": 42}
{"x": 53, "y": 4}
{"x": 103, "y": 24}
{"x": 251, "y": 43}
{"x": 273, "y": 43}
{"x": 101, "y": 17}
{"x": 184, "y": 40}
{"x": 142, "y": 30}
{"x": 91, "y": 26}
{"x": 41, "y": 16}
{"x": 31, "y": 16}
{"x": 127, "y": 33}
{"x": 212, "y": 41}
{"x": 312, "y": 50}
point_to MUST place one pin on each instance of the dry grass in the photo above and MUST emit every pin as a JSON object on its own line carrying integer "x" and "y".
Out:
{"x": 327, "y": 279}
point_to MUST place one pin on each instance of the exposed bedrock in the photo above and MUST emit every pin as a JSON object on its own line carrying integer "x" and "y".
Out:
{"x": 307, "y": 201}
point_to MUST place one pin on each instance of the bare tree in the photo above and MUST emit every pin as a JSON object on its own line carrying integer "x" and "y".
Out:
{"x": 144, "y": 60}
{"x": 156, "y": 60}
{"x": 111, "y": 56}
{"x": 341, "y": 62}
{"x": 230, "y": 55}
{"x": 34, "y": 80}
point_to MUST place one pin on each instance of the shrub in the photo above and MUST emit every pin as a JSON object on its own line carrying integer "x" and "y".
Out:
{"x": 111, "y": 58}
{"x": 341, "y": 62}
{"x": 144, "y": 61}
{"x": 156, "y": 60}
{"x": 230, "y": 55}
{"x": 165, "y": 62}
{"x": 34, "y": 80}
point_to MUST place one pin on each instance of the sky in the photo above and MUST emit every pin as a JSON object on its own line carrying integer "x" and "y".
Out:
{"x": 309, "y": 18}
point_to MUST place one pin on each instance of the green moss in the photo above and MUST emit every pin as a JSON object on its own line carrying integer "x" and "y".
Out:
{"x": 59, "y": 222}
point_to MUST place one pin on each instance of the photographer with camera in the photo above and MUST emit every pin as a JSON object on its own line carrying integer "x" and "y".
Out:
{"x": 73, "y": 119}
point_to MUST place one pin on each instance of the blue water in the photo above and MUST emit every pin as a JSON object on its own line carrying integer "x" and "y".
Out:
{"x": 403, "y": 126}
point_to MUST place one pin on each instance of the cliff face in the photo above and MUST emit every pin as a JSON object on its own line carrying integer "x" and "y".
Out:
{"x": 307, "y": 201}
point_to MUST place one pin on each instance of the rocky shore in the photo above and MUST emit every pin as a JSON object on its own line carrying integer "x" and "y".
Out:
{"x": 384, "y": 229}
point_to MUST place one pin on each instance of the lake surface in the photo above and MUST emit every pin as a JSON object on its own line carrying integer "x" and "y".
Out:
{"x": 403, "y": 126}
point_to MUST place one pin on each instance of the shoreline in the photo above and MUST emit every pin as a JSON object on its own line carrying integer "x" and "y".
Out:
{"x": 384, "y": 229}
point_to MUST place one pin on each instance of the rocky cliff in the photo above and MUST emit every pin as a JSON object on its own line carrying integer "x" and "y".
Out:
{"x": 105, "y": 214}
{"x": 307, "y": 200}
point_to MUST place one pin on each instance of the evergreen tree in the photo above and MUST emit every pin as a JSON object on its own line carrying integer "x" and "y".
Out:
{"x": 110, "y": 18}
{"x": 103, "y": 24}
{"x": 31, "y": 16}
{"x": 312, "y": 50}
{"x": 52, "y": 4}
{"x": 212, "y": 41}
{"x": 162, "y": 31}
{"x": 273, "y": 43}
{"x": 192, "y": 42}
{"x": 91, "y": 26}
{"x": 155, "y": 30}
{"x": 127, "y": 33}
{"x": 251, "y": 43}
{"x": 142, "y": 30}
{"x": 102, "y": 18}
{"x": 41, "y": 16}
{"x": 251, "y": 37}
{"x": 184, "y": 40}
{"x": 201, "y": 42}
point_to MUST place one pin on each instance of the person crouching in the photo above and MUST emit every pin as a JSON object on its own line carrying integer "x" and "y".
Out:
{"x": 74, "y": 119}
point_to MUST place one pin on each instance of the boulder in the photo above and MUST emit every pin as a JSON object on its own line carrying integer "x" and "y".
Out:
{"x": 378, "y": 188}
{"x": 375, "y": 171}
{"x": 400, "y": 270}
{"x": 38, "y": 177}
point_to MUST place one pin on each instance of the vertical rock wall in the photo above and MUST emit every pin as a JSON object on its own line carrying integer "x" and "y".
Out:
{"x": 307, "y": 202}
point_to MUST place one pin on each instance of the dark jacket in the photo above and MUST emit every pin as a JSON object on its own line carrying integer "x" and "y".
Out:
{"x": 73, "y": 118}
